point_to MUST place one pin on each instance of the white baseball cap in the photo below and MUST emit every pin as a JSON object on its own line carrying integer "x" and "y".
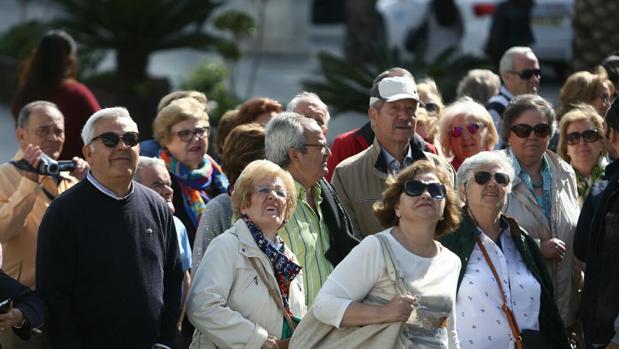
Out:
{"x": 394, "y": 88}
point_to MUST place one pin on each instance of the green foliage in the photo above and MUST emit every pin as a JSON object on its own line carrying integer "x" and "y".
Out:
{"x": 20, "y": 40}
{"x": 209, "y": 78}
{"x": 346, "y": 87}
{"x": 240, "y": 25}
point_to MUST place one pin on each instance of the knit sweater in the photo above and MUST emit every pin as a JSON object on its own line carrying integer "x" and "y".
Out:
{"x": 109, "y": 269}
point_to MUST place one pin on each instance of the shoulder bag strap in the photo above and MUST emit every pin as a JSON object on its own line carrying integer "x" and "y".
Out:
{"x": 508, "y": 313}
{"x": 395, "y": 274}
{"x": 274, "y": 293}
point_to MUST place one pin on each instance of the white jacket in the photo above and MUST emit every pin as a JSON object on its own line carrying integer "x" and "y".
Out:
{"x": 228, "y": 303}
{"x": 564, "y": 216}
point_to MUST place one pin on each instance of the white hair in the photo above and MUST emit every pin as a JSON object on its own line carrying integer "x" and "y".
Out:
{"x": 147, "y": 162}
{"x": 283, "y": 132}
{"x": 507, "y": 60}
{"x": 474, "y": 163}
{"x": 107, "y": 113}
{"x": 309, "y": 97}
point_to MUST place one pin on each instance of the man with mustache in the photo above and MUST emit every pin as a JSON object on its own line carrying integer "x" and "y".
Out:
{"x": 360, "y": 180}
{"x": 25, "y": 195}
{"x": 108, "y": 263}
{"x": 319, "y": 232}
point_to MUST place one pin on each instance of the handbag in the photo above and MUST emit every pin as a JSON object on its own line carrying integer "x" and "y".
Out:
{"x": 313, "y": 333}
{"x": 527, "y": 339}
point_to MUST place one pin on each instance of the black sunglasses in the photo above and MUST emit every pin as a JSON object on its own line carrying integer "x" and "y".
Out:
{"x": 483, "y": 177}
{"x": 111, "y": 139}
{"x": 589, "y": 136}
{"x": 473, "y": 127}
{"x": 524, "y": 130}
{"x": 526, "y": 74}
{"x": 415, "y": 188}
{"x": 187, "y": 135}
{"x": 431, "y": 107}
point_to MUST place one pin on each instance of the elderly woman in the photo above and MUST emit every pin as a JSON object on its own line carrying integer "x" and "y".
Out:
{"x": 418, "y": 205}
{"x": 544, "y": 197}
{"x": 488, "y": 242}
{"x": 182, "y": 128}
{"x": 581, "y": 144}
{"x": 247, "y": 291}
{"x": 245, "y": 144}
{"x": 585, "y": 87}
{"x": 466, "y": 128}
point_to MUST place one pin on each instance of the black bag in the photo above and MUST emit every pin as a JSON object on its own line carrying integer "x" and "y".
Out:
{"x": 532, "y": 339}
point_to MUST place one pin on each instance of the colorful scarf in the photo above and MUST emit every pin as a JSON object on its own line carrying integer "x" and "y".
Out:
{"x": 285, "y": 269}
{"x": 585, "y": 182}
{"x": 195, "y": 183}
{"x": 544, "y": 200}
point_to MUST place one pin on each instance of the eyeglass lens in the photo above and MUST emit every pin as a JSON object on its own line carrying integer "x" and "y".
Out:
{"x": 415, "y": 188}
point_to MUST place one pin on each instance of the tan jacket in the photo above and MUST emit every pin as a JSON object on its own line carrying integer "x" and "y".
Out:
{"x": 359, "y": 182}
{"x": 228, "y": 303}
{"x": 22, "y": 205}
{"x": 564, "y": 216}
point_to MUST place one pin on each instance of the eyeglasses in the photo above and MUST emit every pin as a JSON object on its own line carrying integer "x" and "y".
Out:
{"x": 526, "y": 74}
{"x": 415, "y": 188}
{"x": 524, "y": 130}
{"x": 473, "y": 127}
{"x": 267, "y": 190}
{"x": 111, "y": 139}
{"x": 323, "y": 146}
{"x": 483, "y": 177}
{"x": 589, "y": 136}
{"x": 431, "y": 107}
{"x": 187, "y": 135}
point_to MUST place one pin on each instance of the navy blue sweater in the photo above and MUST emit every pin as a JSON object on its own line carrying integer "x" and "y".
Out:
{"x": 109, "y": 269}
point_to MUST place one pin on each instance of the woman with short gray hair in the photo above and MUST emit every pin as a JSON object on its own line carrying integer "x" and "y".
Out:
{"x": 544, "y": 197}
{"x": 492, "y": 247}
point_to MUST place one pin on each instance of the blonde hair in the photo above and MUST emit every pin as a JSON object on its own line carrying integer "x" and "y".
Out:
{"x": 179, "y": 110}
{"x": 581, "y": 87}
{"x": 580, "y": 112}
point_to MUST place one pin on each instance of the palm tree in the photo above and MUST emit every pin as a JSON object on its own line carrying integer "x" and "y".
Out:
{"x": 595, "y": 32}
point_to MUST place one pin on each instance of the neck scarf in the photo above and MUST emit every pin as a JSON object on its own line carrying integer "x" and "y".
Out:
{"x": 285, "y": 269}
{"x": 194, "y": 184}
{"x": 585, "y": 182}
{"x": 544, "y": 200}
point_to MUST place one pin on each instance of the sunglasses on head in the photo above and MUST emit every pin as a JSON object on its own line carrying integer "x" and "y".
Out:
{"x": 526, "y": 74}
{"x": 524, "y": 130}
{"x": 483, "y": 177}
{"x": 473, "y": 127}
{"x": 111, "y": 139}
{"x": 589, "y": 136}
{"x": 187, "y": 135}
{"x": 415, "y": 188}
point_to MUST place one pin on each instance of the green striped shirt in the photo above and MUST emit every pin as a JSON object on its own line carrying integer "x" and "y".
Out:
{"x": 306, "y": 234}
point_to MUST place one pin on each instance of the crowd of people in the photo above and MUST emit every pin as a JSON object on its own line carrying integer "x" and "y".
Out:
{"x": 489, "y": 222}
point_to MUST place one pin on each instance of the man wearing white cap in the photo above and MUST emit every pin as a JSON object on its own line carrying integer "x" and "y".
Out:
{"x": 360, "y": 179}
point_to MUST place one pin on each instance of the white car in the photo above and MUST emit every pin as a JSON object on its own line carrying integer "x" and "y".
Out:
{"x": 550, "y": 19}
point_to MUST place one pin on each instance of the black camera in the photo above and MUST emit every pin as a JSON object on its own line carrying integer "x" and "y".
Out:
{"x": 48, "y": 166}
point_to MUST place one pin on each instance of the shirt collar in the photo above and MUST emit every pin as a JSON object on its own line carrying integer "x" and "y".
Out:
{"x": 505, "y": 92}
{"x": 393, "y": 165}
{"x": 105, "y": 190}
{"x": 302, "y": 192}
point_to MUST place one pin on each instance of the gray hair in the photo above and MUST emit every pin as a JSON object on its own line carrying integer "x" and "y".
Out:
{"x": 107, "y": 113}
{"x": 479, "y": 84}
{"x": 26, "y": 110}
{"x": 307, "y": 96}
{"x": 507, "y": 60}
{"x": 521, "y": 104}
{"x": 146, "y": 162}
{"x": 283, "y": 132}
{"x": 474, "y": 163}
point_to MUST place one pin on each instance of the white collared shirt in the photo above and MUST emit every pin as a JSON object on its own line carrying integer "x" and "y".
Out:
{"x": 105, "y": 190}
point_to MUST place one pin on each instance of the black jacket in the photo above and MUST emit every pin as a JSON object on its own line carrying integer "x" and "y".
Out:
{"x": 32, "y": 307}
{"x": 462, "y": 243}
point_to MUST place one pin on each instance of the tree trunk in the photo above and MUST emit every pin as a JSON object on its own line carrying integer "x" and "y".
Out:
{"x": 595, "y": 32}
{"x": 361, "y": 29}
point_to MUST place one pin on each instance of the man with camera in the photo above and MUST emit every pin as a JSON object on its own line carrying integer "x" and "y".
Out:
{"x": 26, "y": 190}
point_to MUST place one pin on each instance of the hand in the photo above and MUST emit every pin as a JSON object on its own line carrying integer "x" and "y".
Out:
{"x": 399, "y": 308}
{"x": 32, "y": 155}
{"x": 81, "y": 168}
{"x": 13, "y": 317}
{"x": 553, "y": 248}
{"x": 271, "y": 343}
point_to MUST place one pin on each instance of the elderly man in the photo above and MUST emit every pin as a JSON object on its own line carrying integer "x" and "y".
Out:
{"x": 107, "y": 257}
{"x": 360, "y": 180}
{"x": 310, "y": 105}
{"x": 25, "y": 195}
{"x": 319, "y": 233}
{"x": 520, "y": 72}
{"x": 597, "y": 244}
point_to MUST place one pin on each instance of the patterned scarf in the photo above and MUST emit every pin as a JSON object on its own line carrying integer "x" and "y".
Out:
{"x": 585, "y": 182}
{"x": 285, "y": 269}
{"x": 544, "y": 200}
{"x": 195, "y": 183}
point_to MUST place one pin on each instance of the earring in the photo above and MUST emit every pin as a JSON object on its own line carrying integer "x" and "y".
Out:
{"x": 397, "y": 214}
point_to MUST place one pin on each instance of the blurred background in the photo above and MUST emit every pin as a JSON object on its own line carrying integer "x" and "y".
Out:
{"x": 132, "y": 53}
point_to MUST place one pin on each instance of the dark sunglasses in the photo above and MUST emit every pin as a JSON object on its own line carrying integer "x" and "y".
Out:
{"x": 473, "y": 127}
{"x": 483, "y": 177}
{"x": 187, "y": 135}
{"x": 431, "y": 107}
{"x": 526, "y": 74}
{"x": 111, "y": 139}
{"x": 524, "y": 130}
{"x": 415, "y": 188}
{"x": 589, "y": 136}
